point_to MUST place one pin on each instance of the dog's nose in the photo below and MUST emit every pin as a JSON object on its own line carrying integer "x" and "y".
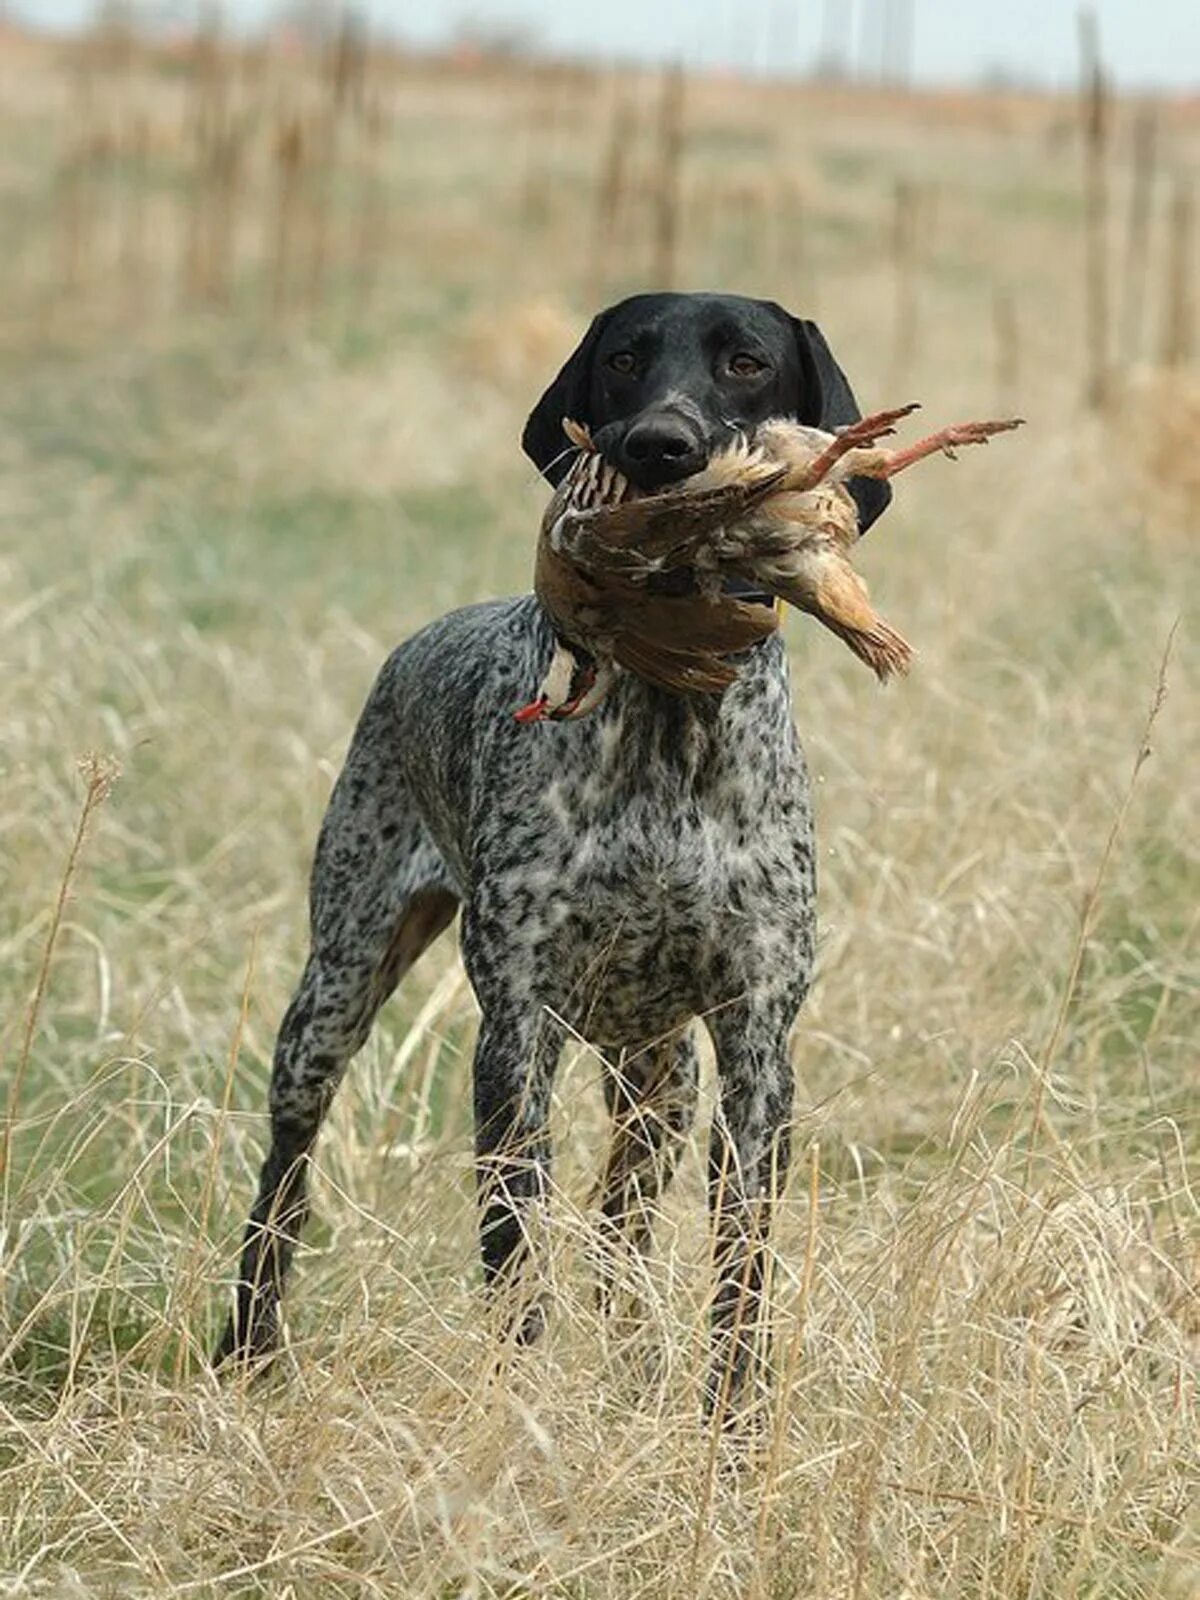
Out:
{"x": 659, "y": 450}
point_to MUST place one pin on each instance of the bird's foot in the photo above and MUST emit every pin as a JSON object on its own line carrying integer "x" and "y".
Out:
{"x": 856, "y": 436}
{"x": 536, "y": 711}
{"x": 877, "y": 426}
{"x": 945, "y": 442}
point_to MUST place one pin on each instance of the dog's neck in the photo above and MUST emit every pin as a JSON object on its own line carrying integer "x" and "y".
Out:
{"x": 743, "y": 725}
{"x": 574, "y": 661}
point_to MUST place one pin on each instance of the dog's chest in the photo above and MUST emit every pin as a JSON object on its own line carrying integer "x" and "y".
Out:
{"x": 655, "y": 886}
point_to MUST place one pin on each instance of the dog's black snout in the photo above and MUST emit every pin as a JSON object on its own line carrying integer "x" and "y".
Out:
{"x": 660, "y": 450}
{"x": 656, "y": 442}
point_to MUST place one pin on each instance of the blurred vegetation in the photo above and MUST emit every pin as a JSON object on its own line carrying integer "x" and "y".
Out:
{"x": 270, "y": 322}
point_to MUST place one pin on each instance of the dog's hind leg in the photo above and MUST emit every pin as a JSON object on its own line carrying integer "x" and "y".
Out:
{"x": 651, "y": 1097}
{"x": 380, "y": 895}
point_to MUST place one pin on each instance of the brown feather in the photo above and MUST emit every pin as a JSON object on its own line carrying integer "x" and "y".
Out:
{"x": 680, "y": 671}
{"x": 694, "y": 622}
{"x": 830, "y": 590}
{"x": 885, "y": 651}
{"x": 656, "y": 531}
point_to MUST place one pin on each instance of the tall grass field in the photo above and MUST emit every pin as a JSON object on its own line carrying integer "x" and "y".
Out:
{"x": 270, "y": 324}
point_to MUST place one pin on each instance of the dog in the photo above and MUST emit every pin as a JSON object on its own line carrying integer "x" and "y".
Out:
{"x": 618, "y": 877}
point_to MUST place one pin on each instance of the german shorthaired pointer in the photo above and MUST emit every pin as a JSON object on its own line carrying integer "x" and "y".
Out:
{"x": 618, "y": 876}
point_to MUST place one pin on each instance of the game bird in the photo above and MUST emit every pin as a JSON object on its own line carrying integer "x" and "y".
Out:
{"x": 771, "y": 512}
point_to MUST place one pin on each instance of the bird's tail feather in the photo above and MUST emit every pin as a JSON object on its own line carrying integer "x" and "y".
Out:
{"x": 885, "y": 651}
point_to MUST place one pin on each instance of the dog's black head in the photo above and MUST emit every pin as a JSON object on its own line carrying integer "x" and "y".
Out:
{"x": 662, "y": 380}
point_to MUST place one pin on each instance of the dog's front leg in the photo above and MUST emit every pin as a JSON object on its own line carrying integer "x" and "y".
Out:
{"x": 748, "y": 1162}
{"x": 515, "y": 1059}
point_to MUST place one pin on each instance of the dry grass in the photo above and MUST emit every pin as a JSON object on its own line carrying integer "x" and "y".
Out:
{"x": 216, "y": 515}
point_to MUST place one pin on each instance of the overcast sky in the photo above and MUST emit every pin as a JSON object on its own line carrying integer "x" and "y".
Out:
{"x": 1145, "y": 42}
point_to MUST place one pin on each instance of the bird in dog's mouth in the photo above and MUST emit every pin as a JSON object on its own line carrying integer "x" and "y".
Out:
{"x": 670, "y": 585}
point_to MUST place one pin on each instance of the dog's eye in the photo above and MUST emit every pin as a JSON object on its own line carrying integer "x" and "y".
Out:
{"x": 744, "y": 365}
{"x": 623, "y": 362}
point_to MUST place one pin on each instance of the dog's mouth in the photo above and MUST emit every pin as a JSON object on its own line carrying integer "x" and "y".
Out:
{"x": 602, "y": 480}
{"x": 698, "y": 444}
{"x": 658, "y": 451}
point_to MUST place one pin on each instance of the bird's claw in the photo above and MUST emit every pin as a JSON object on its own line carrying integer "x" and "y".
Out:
{"x": 944, "y": 442}
{"x": 867, "y": 430}
{"x": 961, "y": 433}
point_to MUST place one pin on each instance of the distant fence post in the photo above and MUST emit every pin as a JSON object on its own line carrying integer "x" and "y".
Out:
{"x": 908, "y": 206}
{"x": 667, "y": 186}
{"x": 1137, "y": 243}
{"x": 1179, "y": 303}
{"x": 611, "y": 188}
{"x": 1094, "y": 113}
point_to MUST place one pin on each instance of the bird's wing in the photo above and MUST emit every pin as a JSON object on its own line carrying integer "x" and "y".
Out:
{"x": 680, "y": 671}
{"x": 659, "y": 530}
{"x": 679, "y": 642}
{"x": 693, "y": 622}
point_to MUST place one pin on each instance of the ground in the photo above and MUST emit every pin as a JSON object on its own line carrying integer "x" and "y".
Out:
{"x": 258, "y": 420}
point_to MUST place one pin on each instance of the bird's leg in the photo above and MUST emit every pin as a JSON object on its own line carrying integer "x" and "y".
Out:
{"x": 887, "y": 463}
{"x": 855, "y": 437}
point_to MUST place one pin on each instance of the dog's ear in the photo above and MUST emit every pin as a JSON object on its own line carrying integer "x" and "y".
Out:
{"x": 827, "y": 401}
{"x": 543, "y": 440}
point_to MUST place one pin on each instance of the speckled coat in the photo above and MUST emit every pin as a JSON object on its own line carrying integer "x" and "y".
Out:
{"x": 618, "y": 877}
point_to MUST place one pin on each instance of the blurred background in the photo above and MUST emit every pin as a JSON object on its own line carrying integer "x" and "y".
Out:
{"x": 272, "y": 158}
{"x": 278, "y": 287}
